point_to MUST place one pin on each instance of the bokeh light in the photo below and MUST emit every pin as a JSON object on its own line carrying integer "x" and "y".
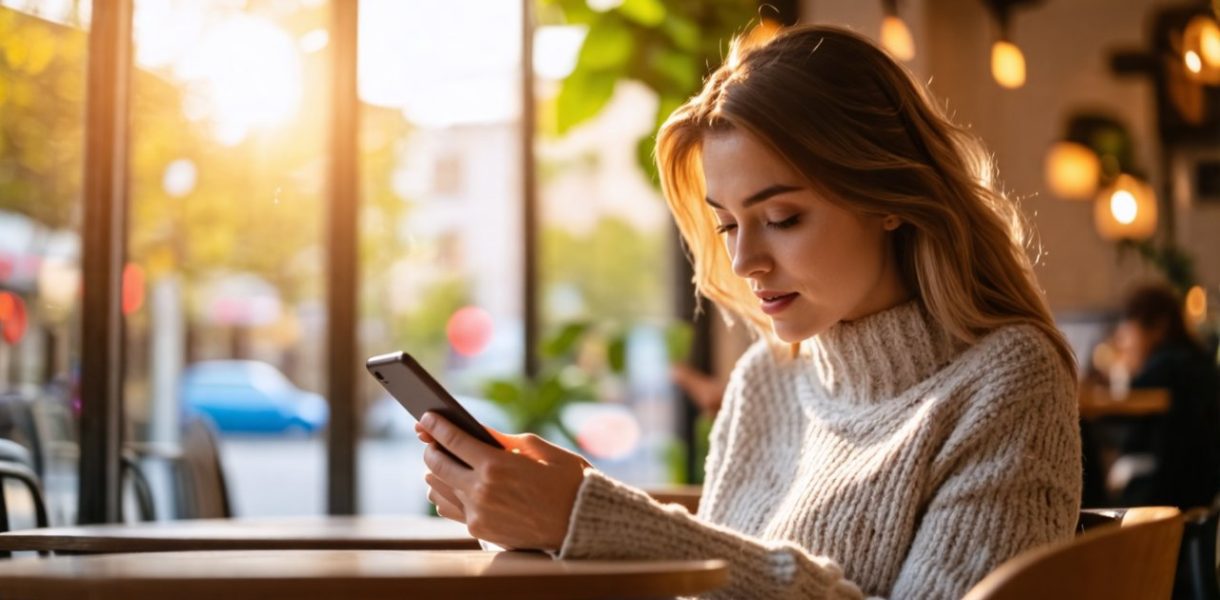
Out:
{"x": 469, "y": 330}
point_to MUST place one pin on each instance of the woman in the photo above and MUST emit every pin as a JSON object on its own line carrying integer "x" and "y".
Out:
{"x": 907, "y": 421}
{"x": 1184, "y": 442}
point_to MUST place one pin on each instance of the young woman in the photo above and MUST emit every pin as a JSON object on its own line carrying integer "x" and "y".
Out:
{"x": 907, "y": 421}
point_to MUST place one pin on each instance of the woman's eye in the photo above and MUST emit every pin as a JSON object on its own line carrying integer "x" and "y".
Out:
{"x": 726, "y": 227}
{"x": 786, "y": 223}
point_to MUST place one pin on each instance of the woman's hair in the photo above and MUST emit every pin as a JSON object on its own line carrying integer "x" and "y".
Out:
{"x": 865, "y": 135}
{"x": 1155, "y": 305}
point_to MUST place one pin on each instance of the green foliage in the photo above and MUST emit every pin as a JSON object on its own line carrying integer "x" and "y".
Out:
{"x": 668, "y": 47}
{"x": 604, "y": 267}
{"x": 577, "y": 357}
{"x": 42, "y": 99}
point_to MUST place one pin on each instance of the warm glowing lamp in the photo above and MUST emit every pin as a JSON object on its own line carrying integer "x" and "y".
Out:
{"x": 1072, "y": 170}
{"x": 1126, "y": 209}
{"x": 1201, "y": 49}
{"x": 896, "y": 37}
{"x": 1196, "y": 305}
{"x": 1007, "y": 64}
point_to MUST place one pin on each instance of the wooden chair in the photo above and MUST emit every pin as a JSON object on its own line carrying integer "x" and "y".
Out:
{"x": 1135, "y": 561}
{"x": 15, "y": 464}
{"x": 201, "y": 473}
{"x": 1197, "y": 577}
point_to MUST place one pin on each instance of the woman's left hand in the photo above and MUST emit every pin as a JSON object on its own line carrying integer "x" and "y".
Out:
{"x": 521, "y": 497}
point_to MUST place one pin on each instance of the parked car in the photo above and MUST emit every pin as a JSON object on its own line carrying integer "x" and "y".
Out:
{"x": 249, "y": 396}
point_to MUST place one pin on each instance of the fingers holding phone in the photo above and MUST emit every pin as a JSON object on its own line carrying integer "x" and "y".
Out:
{"x": 521, "y": 498}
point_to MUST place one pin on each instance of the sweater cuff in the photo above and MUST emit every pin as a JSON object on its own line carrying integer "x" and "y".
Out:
{"x": 602, "y": 519}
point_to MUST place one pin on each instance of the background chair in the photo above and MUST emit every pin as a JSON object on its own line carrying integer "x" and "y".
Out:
{"x": 205, "y": 490}
{"x": 15, "y": 464}
{"x": 1198, "y": 575}
{"x": 1133, "y": 561}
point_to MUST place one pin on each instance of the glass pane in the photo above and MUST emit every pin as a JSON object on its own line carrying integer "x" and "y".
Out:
{"x": 441, "y": 255}
{"x": 605, "y": 258}
{"x": 43, "y": 58}
{"x": 226, "y": 311}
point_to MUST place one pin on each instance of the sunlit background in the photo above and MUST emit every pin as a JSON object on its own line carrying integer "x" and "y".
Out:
{"x": 223, "y": 290}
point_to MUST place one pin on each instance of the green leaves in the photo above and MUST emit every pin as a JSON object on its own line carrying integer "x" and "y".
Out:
{"x": 582, "y": 96}
{"x": 667, "y": 46}
{"x": 605, "y": 48}
{"x": 678, "y": 339}
{"x": 563, "y": 341}
{"x": 648, "y": 13}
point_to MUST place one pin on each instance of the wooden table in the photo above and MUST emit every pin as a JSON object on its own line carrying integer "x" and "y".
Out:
{"x": 1096, "y": 401}
{"x": 281, "y": 533}
{"x": 366, "y": 574}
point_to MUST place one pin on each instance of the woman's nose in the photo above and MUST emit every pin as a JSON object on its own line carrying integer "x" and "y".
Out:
{"x": 750, "y": 255}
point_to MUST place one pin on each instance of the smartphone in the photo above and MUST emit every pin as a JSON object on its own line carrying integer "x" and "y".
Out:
{"x": 418, "y": 392}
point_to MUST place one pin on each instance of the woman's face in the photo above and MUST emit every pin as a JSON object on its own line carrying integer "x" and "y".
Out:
{"x": 811, "y": 262}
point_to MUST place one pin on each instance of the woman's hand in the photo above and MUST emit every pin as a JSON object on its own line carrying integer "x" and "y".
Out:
{"x": 519, "y": 498}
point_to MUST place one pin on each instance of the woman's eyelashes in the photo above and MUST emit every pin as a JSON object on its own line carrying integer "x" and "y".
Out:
{"x": 784, "y": 224}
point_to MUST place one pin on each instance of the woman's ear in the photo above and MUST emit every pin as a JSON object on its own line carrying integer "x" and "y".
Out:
{"x": 891, "y": 222}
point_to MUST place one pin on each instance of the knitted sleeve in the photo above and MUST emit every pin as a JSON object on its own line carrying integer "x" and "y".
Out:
{"x": 612, "y": 520}
{"x": 1006, "y": 480}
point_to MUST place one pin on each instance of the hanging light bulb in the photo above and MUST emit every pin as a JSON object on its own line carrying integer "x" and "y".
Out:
{"x": 1126, "y": 209}
{"x": 1196, "y": 306}
{"x": 895, "y": 36}
{"x": 1201, "y": 49}
{"x": 1007, "y": 61}
{"x": 1007, "y": 64}
{"x": 1072, "y": 170}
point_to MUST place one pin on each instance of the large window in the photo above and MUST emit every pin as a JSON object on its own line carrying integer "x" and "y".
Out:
{"x": 42, "y": 98}
{"x": 441, "y": 192}
{"x": 227, "y": 170}
{"x": 230, "y": 159}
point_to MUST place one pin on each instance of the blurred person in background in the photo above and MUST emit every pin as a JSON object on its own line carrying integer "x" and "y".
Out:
{"x": 1172, "y": 458}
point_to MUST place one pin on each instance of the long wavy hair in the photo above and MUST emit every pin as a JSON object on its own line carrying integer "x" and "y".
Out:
{"x": 866, "y": 135}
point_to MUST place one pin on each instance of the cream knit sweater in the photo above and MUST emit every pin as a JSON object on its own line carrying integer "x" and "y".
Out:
{"x": 886, "y": 460}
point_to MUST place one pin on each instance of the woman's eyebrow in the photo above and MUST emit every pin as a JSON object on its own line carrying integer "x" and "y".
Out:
{"x": 760, "y": 196}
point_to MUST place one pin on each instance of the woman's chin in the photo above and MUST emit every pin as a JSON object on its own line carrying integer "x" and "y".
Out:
{"x": 789, "y": 334}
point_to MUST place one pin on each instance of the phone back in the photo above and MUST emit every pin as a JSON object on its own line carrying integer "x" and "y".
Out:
{"x": 418, "y": 392}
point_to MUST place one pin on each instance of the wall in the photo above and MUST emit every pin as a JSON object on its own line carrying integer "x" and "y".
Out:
{"x": 1067, "y": 46}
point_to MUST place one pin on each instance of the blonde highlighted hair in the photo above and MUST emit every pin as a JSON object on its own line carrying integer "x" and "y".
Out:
{"x": 867, "y": 135}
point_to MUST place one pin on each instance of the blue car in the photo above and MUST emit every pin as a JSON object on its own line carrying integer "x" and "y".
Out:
{"x": 248, "y": 396}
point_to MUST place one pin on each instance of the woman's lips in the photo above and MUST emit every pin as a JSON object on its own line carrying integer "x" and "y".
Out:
{"x": 778, "y": 303}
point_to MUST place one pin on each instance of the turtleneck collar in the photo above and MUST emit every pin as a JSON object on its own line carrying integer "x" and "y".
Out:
{"x": 878, "y": 357}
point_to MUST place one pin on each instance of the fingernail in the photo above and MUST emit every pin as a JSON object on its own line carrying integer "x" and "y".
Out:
{"x": 428, "y": 420}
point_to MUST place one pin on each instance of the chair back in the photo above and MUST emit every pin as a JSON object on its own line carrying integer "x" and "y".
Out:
{"x": 1132, "y": 561}
{"x": 15, "y": 465}
{"x": 206, "y": 493}
{"x": 1198, "y": 575}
